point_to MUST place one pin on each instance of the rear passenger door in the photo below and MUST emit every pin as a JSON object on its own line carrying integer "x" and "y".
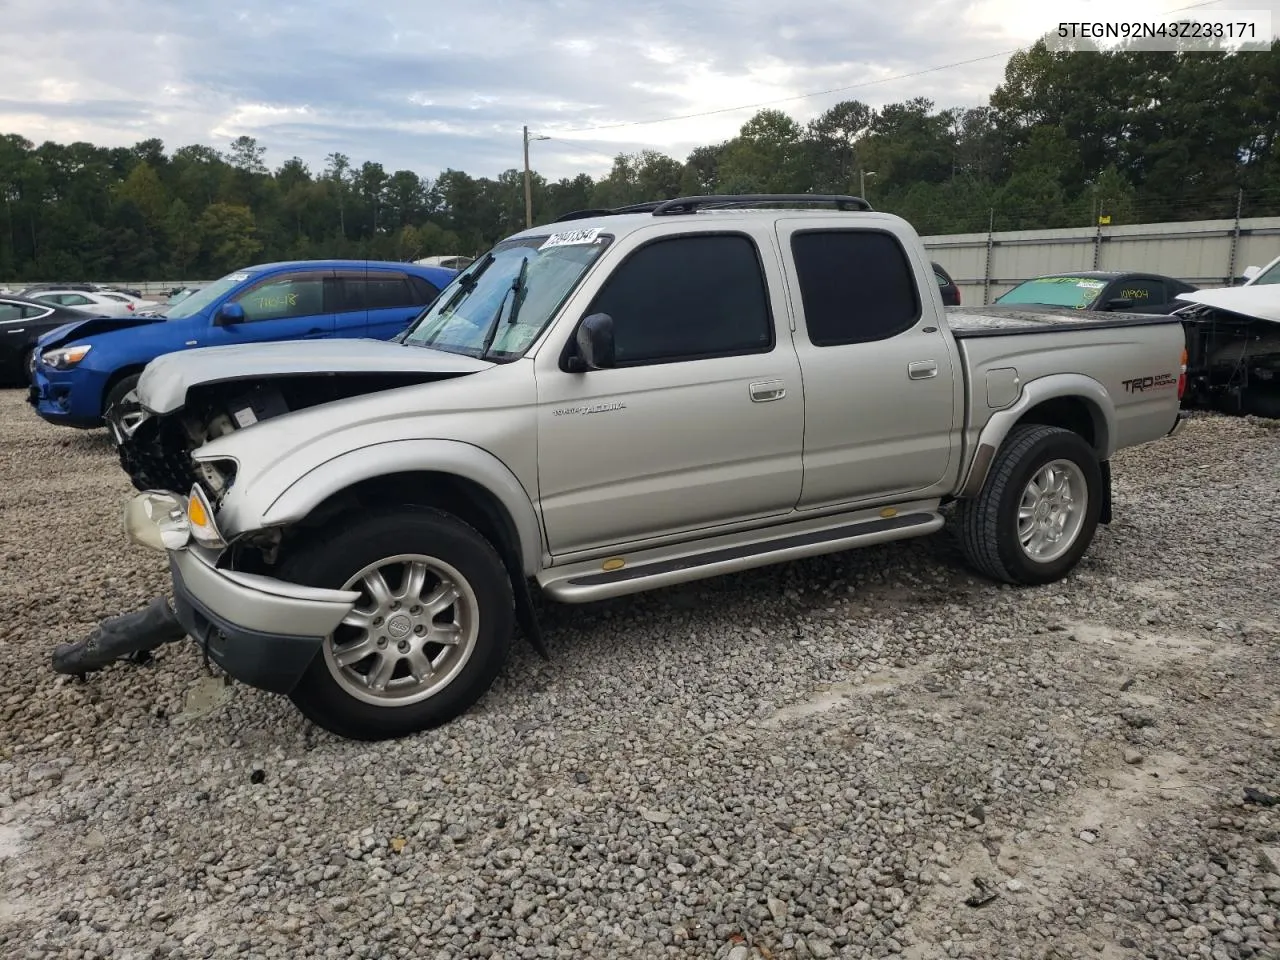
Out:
{"x": 346, "y": 299}
{"x": 393, "y": 299}
{"x": 882, "y": 393}
{"x": 701, "y": 420}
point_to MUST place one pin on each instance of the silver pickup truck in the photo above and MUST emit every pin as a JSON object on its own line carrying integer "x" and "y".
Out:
{"x": 618, "y": 401}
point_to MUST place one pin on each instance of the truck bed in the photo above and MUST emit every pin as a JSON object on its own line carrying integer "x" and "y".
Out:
{"x": 968, "y": 322}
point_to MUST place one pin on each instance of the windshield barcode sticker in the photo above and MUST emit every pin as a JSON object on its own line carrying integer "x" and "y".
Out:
{"x": 571, "y": 238}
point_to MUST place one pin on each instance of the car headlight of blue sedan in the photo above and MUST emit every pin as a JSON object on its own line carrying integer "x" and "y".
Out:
{"x": 65, "y": 358}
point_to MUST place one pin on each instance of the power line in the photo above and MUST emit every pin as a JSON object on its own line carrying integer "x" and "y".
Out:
{"x": 823, "y": 93}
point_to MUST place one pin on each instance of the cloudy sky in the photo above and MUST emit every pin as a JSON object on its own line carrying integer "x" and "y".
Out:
{"x": 429, "y": 85}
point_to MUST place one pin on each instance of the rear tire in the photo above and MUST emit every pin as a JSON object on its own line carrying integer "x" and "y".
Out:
{"x": 1021, "y": 533}
{"x": 430, "y": 672}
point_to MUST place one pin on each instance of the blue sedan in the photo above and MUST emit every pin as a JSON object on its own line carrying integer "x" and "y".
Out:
{"x": 82, "y": 369}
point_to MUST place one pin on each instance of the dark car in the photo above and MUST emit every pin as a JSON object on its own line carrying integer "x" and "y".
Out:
{"x": 1115, "y": 290}
{"x": 950, "y": 292}
{"x": 22, "y": 322}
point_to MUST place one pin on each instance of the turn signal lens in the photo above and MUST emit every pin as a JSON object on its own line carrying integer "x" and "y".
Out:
{"x": 203, "y": 527}
{"x": 195, "y": 511}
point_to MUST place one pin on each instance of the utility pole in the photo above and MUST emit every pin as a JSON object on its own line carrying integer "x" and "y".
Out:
{"x": 528, "y": 186}
{"x": 528, "y": 183}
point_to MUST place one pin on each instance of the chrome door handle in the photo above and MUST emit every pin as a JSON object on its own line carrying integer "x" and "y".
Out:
{"x": 922, "y": 370}
{"x": 762, "y": 391}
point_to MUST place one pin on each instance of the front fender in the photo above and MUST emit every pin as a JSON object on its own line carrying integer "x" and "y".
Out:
{"x": 1053, "y": 387}
{"x": 401, "y": 456}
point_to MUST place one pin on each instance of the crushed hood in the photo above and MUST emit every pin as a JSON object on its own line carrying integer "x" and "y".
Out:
{"x": 91, "y": 326}
{"x": 1256, "y": 302}
{"x": 163, "y": 386}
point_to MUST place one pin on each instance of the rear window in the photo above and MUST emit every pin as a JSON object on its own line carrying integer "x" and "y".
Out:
{"x": 390, "y": 290}
{"x": 856, "y": 286}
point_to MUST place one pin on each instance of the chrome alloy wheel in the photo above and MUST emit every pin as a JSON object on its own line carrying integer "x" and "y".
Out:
{"x": 1052, "y": 511}
{"x": 409, "y": 636}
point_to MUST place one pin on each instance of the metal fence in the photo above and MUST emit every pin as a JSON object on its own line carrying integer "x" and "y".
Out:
{"x": 1207, "y": 253}
{"x": 148, "y": 288}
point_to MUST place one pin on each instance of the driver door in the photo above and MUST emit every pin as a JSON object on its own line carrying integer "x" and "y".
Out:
{"x": 283, "y": 306}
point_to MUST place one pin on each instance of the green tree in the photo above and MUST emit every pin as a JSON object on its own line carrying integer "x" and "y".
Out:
{"x": 229, "y": 237}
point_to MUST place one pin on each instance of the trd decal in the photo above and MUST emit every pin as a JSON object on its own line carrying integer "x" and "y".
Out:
{"x": 1143, "y": 384}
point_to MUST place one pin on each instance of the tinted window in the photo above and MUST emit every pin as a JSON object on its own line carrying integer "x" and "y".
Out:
{"x": 348, "y": 293}
{"x": 424, "y": 292}
{"x": 856, "y": 286}
{"x": 1141, "y": 292}
{"x": 388, "y": 290}
{"x": 69, "y": 299}
{"x": 10, "y": 311}
{"x": 293, "y": 295}
{"x": 687, "y": 298}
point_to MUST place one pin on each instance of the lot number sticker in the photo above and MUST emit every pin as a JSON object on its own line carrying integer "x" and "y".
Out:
{"x": 572, "y": 238}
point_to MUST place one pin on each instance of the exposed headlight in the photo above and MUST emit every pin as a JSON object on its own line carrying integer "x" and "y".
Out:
{"x": 66, "y": 357}
{"x": 158, "y": 520}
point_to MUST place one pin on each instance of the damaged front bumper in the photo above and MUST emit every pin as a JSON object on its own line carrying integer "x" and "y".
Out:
{"x": 261, "y": 631}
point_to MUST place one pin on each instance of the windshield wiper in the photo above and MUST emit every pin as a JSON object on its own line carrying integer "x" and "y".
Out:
{"x": 469, "y": 281}
{"x": 465, "y": 286}
{"x": 517, "y": 288}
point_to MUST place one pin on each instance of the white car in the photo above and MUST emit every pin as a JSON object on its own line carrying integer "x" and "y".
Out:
{"x": 104, "y": 303}
{"x": 1262, "y": 276}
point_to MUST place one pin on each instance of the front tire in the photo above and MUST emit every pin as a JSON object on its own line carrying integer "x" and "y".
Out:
{"x": 119, "y": 396}
{"x": 428, "y": 636}
{"x": 1038, "y": 510}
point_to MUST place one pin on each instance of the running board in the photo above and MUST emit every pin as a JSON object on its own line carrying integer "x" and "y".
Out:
{"x": 599, "y": 580}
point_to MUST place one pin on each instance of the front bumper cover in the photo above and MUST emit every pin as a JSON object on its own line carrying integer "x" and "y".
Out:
{"x": 261, "y": 631}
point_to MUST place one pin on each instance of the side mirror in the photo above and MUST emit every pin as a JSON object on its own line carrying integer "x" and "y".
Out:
{"x": 1251, "y": 271}
{"x": 594, "y": 341}
{"x": 228, "y": 314}
{"x": 1119, "y": 303}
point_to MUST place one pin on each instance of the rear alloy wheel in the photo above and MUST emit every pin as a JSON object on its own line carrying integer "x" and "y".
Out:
{"x": 428, "y": 635}
{"x": 1038, "y": 509}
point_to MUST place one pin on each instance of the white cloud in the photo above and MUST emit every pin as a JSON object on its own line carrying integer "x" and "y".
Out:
{"x": 451, "y": 85}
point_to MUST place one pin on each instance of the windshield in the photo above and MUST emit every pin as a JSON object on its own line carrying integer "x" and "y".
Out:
{"x": 190, "y": 306}
{"x": 1271, "y": 276}
{"x": 508, "y": 295}
{"x": 1078, "y": 292}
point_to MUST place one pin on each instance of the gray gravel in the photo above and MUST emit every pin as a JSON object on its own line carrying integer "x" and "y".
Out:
{"x": 826, "y": 759}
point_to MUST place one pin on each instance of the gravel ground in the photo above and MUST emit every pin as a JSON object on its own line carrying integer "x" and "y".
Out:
{"x": 837, "y": 757}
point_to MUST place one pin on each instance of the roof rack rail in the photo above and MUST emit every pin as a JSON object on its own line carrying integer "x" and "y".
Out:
{"x": 691, "y": 204}
{"x": 582, "y": 214}
{"x": 663, "y": 208}
{"x": 646, "y": 207}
